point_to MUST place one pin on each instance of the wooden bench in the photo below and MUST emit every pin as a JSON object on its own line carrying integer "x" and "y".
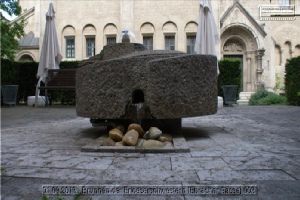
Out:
{"x": 58, "y": 79}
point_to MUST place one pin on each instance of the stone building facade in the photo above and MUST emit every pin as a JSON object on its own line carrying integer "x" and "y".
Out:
{"x": 247, "y": 31}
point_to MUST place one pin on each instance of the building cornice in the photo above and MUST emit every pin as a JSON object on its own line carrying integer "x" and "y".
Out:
{"x": 23, "y": 15}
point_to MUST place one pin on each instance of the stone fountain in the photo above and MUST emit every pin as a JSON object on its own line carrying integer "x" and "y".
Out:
{"x": 126, "y": 82}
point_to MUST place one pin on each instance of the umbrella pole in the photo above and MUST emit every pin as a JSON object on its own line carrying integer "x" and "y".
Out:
{"x": 46, "y": 96}
{"x": 37, "y": 92}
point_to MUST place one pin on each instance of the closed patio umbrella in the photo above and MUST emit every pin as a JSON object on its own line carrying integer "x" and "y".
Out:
{"x": 50, "y": 53}
{"x": 207, "y": 34}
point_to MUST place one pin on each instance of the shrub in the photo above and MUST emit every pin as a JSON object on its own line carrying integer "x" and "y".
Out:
{"x": 230, "y": 74}
{"x": 263, "y": 97}
{"x": 257, "y": 96}
{"x": 272, "y": 99}
{"x": 292, "y": 81}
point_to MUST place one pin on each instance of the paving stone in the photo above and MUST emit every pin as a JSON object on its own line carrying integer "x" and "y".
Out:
{"x": 147, "y": 175}
{"x": 63, "y": 161}
{"x": 249, "y": 175}
{"x": 50, "y": 172}
{"x": 141, "y": 163}
{"x": 239, "y": 145}
{"x": 223, "y": 153}
{"x": 260, "y": 162}
{"x": 180, "y": 163}
{"x": 167, "y": 154}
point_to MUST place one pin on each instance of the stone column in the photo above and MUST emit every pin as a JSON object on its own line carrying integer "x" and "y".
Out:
{"x": 259, "y": 70}
{"x": 249, "y": 70}
{"x": 248, "y": 81}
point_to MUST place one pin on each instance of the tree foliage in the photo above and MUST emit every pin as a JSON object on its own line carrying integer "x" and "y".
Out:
{"x": 10, "y": 32}
{"x": 292, "y": 83}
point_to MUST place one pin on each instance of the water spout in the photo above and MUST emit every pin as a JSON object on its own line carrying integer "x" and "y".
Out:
{"x": 139, "y": 112}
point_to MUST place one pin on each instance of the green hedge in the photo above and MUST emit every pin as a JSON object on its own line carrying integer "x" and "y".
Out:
{"x": 292, "y": 81}
{"x": 24, "y": 75}
{"x": 230, "y": 74}
{"x": 264, "y": 97}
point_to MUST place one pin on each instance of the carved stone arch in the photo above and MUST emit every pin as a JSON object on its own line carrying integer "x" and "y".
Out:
{"x": 26, "y": 57}
{"x": 68, "y": 30}
{"x": 234, "y": 45}
{"x": 89, "y": 29}
{"x": 191, "y": 27}
{"x": 110, "y": 28}
{"x": 147, "y": 28}
{"x": 169, "y": 27}
{"x": 110, "y": 32}
{"x": 246, "y": 33}
{"x": 241, "y": 42}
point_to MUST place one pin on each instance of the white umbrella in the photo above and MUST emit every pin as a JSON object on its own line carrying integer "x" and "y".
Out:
{"x": 50, "y": 53}
{"x": 207, "y": 33}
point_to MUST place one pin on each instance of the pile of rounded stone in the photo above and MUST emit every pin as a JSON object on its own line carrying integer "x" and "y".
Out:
{"x": 136, "y": 136}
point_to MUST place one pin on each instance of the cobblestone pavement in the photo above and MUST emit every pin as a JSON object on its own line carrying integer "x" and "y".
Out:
{"x": 238, "y": 148}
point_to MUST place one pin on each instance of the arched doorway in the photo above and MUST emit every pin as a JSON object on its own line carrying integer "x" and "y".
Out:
{"x": 240, "y": 42}
{"x": 234, "y": 48}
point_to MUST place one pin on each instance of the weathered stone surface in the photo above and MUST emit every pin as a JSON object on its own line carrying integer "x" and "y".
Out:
{"x": 146, "y": 136}
{"x": 130, "y": 138}
{"x": 140, "y": 142}
{"x": 138, "y": 128}
{"x": 174, "y": 85}
{"x": 152, "y": 143}
{"x": 109, "y": 142}
{"x": 154, "y": 133}
{"x": 119, "y": 143}
{"x": 165, "y": 138}
{"x": 121, "y": 128}
{"x": 116, "y": 135}
{"x": 168, "y": 144}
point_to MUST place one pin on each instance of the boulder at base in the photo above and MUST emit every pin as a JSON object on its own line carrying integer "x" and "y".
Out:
{"x": 130, "y": 138}
{"x": 152, "y": 143}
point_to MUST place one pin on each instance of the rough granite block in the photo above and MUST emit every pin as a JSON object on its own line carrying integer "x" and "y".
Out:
{"x": 170, "y": 84}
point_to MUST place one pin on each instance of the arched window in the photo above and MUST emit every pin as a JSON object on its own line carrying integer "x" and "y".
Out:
{"x": 191, "y": 32}
{"x": 110, "y": 34}
{"x": 147, "y": 31}
{"x": 69, "y": 41}
{"x": 170, "y": 32}
{"x": 89, "y": 32}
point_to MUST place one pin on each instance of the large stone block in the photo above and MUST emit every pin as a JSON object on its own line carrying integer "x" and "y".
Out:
{"x": 169, "y": 84}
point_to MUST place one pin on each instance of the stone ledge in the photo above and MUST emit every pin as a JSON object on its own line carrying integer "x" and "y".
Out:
{"x": 180, "y": 146}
